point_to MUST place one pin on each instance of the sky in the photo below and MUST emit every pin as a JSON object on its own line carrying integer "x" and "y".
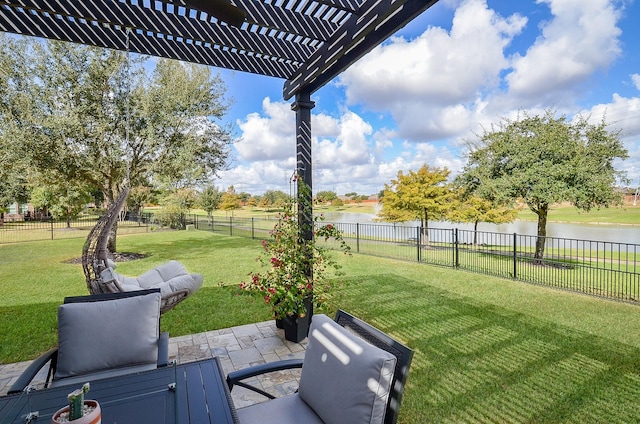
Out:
{"x": 427, "y": 91}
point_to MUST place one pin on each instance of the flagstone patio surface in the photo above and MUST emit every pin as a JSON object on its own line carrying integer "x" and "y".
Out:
{"x": 236, "y": 347}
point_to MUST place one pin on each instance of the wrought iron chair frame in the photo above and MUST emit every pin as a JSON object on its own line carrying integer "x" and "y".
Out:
{"x": 365, "y": 331}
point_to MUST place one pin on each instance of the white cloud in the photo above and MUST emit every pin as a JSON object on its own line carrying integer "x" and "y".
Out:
{"x": 343, "y": 148}
{"x": 426, "y": 82}
{"x": 351, "y": 144}
{"x": 270, "y": 136}
{"x": 581, "y": 39}
{"x": 441, "y": 88}
{"x": 622, "y": 114}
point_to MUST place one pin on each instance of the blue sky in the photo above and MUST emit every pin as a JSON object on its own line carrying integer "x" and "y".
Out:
{"x": 435, "y": 84}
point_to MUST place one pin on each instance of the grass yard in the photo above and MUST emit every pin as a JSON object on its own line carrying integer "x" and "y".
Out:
{"x": 626, "y": 214}
{"x": 487, "y": 349}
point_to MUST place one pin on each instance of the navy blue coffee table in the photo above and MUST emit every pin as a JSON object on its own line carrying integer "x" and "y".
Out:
{"x": 194, "y": 392}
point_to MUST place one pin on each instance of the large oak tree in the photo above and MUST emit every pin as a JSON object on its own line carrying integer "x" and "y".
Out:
{"x": 544, "y": 160}
{"x": 95, "y": 116}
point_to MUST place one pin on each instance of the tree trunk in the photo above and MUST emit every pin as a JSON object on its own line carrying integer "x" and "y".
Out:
{"x": 542, "y": 212}
{"x": 425, "y": 228}
{"x": 111, "y": 245}
{"x": 475, "y": 233}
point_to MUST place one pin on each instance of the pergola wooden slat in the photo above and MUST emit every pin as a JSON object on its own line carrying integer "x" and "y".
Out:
{"x": 306, "y": 43}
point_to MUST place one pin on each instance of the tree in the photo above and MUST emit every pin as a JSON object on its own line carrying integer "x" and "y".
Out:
{"x": 421, "y": 195}
{"x": 326, "y": 196}
{"x": 274, "y": 198}
{"x": 230, "y": 200}
{"x": 63, "y": 200}
{"x": 356, "y": 198}
{"x": 209, "y": 200}
{"x": 73, "y": 119}
{"x": 474, "y": 209}
{"x": 15, "y": 97}
{"x": 545, "y": 160}
{"x": 185, "y": 198}
{"x": 138, "y": 197}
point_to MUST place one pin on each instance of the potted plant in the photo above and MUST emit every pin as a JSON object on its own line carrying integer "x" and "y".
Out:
{"x": 79, "y": 411}
{"x": 298, "y": 270}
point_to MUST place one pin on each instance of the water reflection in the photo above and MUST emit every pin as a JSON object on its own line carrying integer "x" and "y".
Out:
{"x": 604, "y": 232}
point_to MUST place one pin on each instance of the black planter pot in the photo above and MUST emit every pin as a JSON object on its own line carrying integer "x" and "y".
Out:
{"x": 296, "y": 328}
{"x": 279, "y": 323}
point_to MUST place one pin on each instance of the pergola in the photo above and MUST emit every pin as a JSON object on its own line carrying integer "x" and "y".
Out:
{"x": 304, "y": 42}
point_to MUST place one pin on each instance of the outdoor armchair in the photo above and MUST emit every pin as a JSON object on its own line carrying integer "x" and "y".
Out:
{"x": 351, "y": 373}
{"x": 102, "y": 336}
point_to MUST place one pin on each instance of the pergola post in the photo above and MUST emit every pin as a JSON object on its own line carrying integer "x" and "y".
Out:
{"x": 302, "y": 106}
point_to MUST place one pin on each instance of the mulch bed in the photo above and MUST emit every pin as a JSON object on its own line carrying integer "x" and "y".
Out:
{"x": 116, "y": 257}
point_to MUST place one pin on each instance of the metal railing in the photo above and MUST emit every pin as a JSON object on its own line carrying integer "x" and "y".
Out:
{"x": 52, "y": 229}
{"x": 605, "y": 269}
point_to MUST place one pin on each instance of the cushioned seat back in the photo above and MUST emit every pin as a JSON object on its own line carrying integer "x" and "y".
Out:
{"x": 345, "y": 379}
{"x": 403, "y": 354}
{"x": 107, "y": 331}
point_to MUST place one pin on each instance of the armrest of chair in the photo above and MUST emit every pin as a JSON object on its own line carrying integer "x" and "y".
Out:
{"x": 236, "y": 377}
{"x": 32, "y": 370}
{"x": 163, "y": 350}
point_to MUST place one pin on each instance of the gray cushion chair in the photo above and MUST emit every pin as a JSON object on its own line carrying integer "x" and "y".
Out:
{"x": 170, "y": 277}
{"x": 351, "y": 373}
{"x": 101, "y": 336}
{"x": 98, "y": 268}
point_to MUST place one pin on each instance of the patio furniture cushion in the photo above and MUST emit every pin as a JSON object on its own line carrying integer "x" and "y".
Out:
{"x": 345, "y": 379}
{"x": 99, "y": 336}
{"x": 163, "y": 272}
{"x": 169, "y": 277}
{"x": 287, "y": 409}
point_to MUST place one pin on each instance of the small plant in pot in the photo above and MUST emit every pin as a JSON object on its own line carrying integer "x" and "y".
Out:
{"x": 298, "y": 271}
{"x": 79, "y": 410}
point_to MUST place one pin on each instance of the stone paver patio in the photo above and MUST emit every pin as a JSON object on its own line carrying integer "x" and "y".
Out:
{"x": 236, "y": 347}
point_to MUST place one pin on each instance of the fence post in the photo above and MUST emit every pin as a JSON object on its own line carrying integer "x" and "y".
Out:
{"x": 51, "y": 221}
{"x": 231, "y": 225}
{"x": 253, "y": 235}
{"x": 456, "y": 253}
{"x": 515, "y": 255}
{"x": 418, "y": 242}
{"x": 357, "y": 237}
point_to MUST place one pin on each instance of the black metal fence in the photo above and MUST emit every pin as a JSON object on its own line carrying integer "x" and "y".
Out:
{"x": 52, "y": 229}
{"x": 599, "y": 268}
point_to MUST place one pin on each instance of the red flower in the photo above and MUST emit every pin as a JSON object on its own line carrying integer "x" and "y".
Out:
{"x": 276, "y": 262}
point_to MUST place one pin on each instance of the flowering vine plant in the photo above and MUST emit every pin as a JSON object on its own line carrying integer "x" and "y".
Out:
{"x": 297, "y": 269}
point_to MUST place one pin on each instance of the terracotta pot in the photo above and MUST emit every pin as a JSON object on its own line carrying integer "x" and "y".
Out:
{"x": 94, "y": 417}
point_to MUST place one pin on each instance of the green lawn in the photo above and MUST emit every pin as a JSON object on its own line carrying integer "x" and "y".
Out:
{"x": 627, "y": 214}
{"x": 487, "y": 349}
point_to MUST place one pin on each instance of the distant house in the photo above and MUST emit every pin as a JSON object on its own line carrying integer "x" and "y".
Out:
{"x": 24, "y": 212}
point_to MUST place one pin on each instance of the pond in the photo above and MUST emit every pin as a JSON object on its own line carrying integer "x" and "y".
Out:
{"x": 618, "y": 233}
